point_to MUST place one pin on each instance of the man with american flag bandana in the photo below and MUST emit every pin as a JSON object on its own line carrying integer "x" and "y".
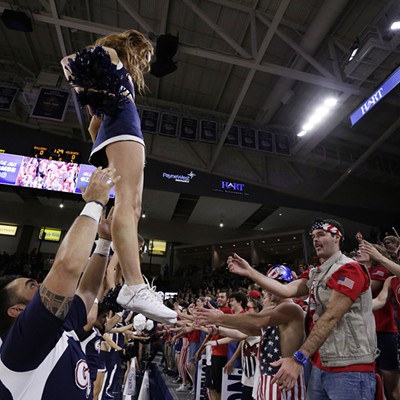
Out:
{"x": 341, "y": 342}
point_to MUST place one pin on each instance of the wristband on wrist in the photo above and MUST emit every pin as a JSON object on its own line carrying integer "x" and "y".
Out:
{"x": 93, "y": 210}
{"x": 103, "y": 247}
{"x": 98, "y": 202}
{"x": 300, "y": 357}
{"x": 96, "y": 301}
{"x": 216, "y": 342}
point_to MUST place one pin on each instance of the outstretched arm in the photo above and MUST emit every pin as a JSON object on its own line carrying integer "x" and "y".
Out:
{"x": 93, "y": 275}
{"x": 368, "y": 248}
{"x": 113, "y": 321}
{"x": 233, "y": 333}
{"x": 59, "y": 286}
{"x": 111, "y": 342}
{"x": 121, "y": 329}
{"x": 224, "y": 340}
{"x": 240, "y": 266}
{"x": 250, "y": 324}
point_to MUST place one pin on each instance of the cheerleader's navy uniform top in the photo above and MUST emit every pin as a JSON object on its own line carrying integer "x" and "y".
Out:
{"x": 41, "y": 357}
{"x": 93, "y": 69}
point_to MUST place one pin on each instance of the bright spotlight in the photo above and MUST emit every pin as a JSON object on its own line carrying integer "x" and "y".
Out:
{"x": 308, "y": 126}
{"x": 322, "y": 111}
{"x": 395, "y": 26}
{"x": 302, "y": 133}
{"x": 330, "y": 102}
{"x": 315, "y": 118}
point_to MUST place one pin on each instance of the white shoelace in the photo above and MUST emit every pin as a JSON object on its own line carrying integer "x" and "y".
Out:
{"x": 150, "y": 292}
{"x": 146, "y": 294}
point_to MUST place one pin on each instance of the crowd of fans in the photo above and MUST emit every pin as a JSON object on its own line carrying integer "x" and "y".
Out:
{"x": 126, "y": 338}
{"x": 237, "y": 318}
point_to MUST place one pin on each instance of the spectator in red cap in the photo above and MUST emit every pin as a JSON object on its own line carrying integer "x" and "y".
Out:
{"x": 254, "y": 294}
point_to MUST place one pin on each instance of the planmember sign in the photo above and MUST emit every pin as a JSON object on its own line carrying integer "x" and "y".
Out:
{"x": 385, "y": 88}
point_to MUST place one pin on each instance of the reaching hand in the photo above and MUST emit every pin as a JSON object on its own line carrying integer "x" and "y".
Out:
{"x": 368, "y": 248}
{"x": 212, "y": 329}
{"x": 229, "y": 367}
{"x": 207, "y": 316}
{"x": 359, "y": 237}
{"x": 289, "y": 371}
{"x": 238, "y": 265}
{"x": 100, "y": 184}
{"x": 104, "y": 227}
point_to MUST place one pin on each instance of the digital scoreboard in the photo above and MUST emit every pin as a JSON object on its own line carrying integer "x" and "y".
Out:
{"x": 55, "y": 153}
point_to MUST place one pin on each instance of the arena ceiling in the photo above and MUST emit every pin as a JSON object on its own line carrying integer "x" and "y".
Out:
{"x": 259, "y": 64}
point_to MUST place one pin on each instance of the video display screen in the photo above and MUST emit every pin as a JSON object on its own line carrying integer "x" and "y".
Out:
{"x": 157, "y": 247}
{"x": 41, "y": 173}
{"x": 8, "y": 230}
{"x": 50, "y": 234}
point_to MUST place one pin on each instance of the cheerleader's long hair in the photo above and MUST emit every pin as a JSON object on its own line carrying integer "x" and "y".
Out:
{"x": 134, "y": 51}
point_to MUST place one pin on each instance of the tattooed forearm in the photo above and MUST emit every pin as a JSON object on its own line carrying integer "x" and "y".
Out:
{"x": 56, "y": 304}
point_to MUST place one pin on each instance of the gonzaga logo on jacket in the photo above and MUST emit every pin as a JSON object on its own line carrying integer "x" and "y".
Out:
{"x": 82, "y": 378}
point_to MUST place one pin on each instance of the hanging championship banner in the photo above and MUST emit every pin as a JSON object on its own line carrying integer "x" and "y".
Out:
{"x": 265, "y": 141}
{"x": 7, "y": 97}
{"x": 51, "y": 104}
{"x": 149, "y": 120}
{"x": 248, "y": 136}
{"x": 232, "y": 139}
{"x": 188, "y": 128}
{"x": 282, "y": 144}
{"x": 169, "y": 124}
{"x": 208, "y": 131}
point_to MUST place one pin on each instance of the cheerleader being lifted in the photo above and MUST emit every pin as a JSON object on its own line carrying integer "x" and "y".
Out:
{"x": 103, "y": 76}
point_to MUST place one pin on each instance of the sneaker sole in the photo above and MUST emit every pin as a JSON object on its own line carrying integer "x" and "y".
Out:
{"x": 152, "y": 316}
{"x": 146, "y": 313}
